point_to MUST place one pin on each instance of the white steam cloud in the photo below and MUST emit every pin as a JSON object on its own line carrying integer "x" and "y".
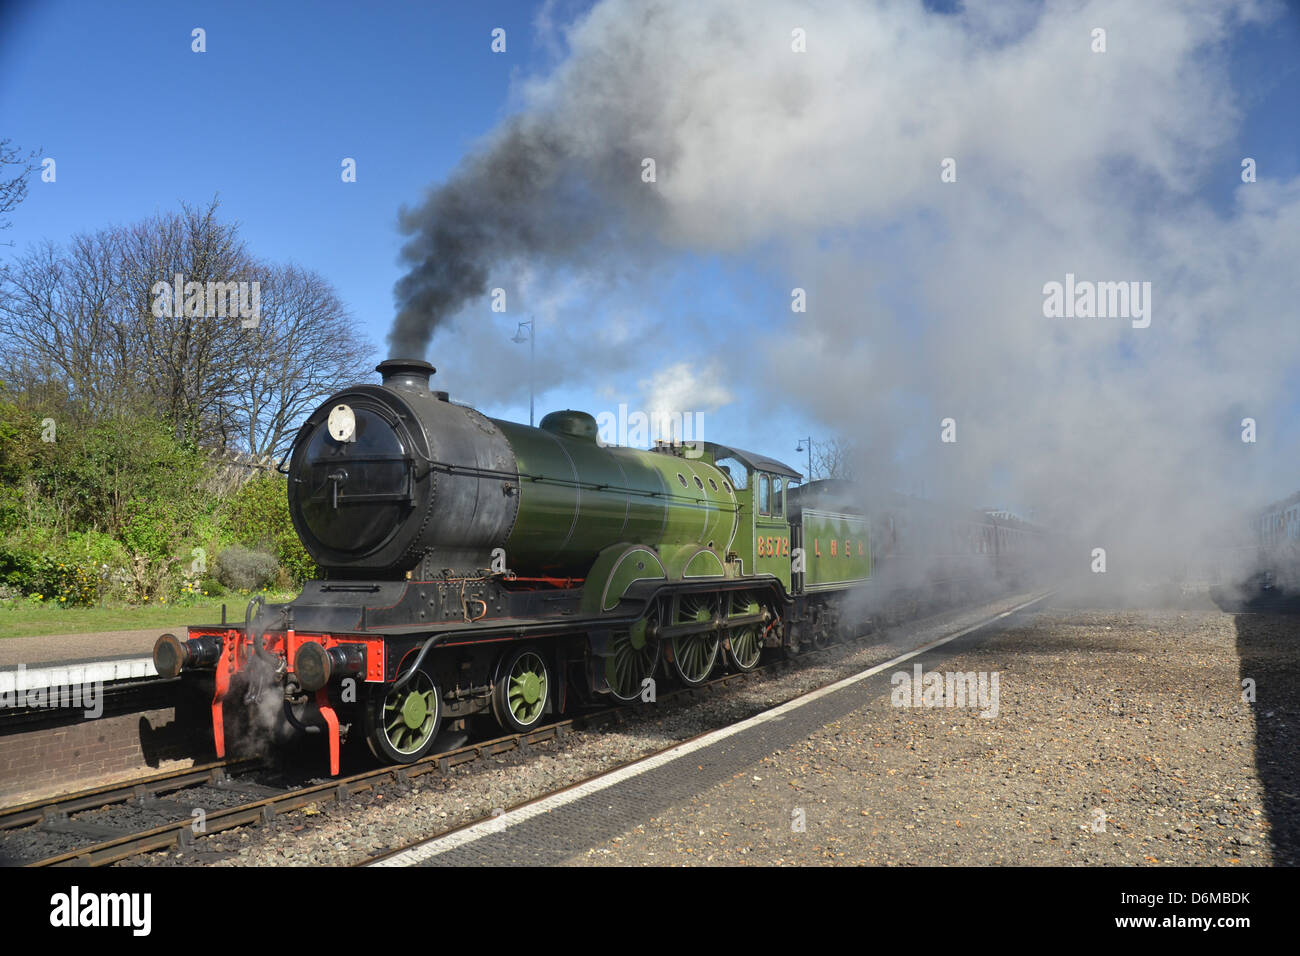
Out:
{"x": 821, "y": 168}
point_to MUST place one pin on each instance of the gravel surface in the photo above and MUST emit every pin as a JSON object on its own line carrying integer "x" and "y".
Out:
{"x": 369, "y": 823}
{"x": 1121, "y": 739}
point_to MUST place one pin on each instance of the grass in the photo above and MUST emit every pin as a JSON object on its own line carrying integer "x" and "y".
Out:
{"x": 23, "y": 618}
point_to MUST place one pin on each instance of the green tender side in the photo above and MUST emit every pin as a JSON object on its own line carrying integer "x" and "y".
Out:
{"x": 577, "y": 498}
{"x": 837, "y": 550}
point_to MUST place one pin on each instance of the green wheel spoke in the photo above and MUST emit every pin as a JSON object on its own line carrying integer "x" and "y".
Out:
{"x": 695, "y": 656}
{"x": 629, "y": 665}
{"x": 745, "y": 647}
{"x": 523, "y": 693}
{"x": 410, "y": 714}
{"x": 402, "y": 722}
{"x": 746, "y": 641}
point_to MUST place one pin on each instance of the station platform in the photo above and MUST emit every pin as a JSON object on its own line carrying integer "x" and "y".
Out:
{"x": 79, "y": 710}
{"x": 567, "y": 826}
{"x": 66, "y": 659}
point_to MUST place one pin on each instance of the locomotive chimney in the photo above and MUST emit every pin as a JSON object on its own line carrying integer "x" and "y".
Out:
{"x": 405, "y": 373}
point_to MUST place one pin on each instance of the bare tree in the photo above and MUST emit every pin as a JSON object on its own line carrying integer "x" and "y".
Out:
{"x": 834, "y": 458}
{"x": 95, "y": 329}
{"x": 191, "y": 359}
{"x": 62, "y": 327}
{"x": 304, "y": 349}
{"x": 13, "y": 185}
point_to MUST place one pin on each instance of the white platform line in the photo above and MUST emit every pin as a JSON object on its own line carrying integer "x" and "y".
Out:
{"x": 24, "y": 678}
{"x": 440, "y": 845}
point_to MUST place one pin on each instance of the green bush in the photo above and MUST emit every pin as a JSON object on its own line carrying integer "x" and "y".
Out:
{"x": 97, "y": 475}
{"x": 20, "y": 439}
{"x": 72, "y": 584}
{"x": 19, "y": 568}
{"x": 209, "y": 586}
{"x": 58, "y": 579}
{"x": 20, "y": 446}
{"x": 125, "y": 500}
{"x": 245, "y": 570}
{"x": 97, "y": 548}
{"x": 257, "y": 517}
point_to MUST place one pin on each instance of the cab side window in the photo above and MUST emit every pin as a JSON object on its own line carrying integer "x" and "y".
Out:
{"x": 764, "y": 495}
{"x": 737, "y": 475}
{"x": 778, "y": 498}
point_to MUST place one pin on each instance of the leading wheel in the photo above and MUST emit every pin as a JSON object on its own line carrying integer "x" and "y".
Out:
{"x": 522, "y": 690}
{"x": 402, "y": 724}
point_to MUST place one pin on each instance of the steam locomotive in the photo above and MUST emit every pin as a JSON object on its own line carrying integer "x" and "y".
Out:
{"x": 473, "y": 566}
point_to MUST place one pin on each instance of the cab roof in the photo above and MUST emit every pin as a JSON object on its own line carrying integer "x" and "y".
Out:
{"x": 750, "y": 460}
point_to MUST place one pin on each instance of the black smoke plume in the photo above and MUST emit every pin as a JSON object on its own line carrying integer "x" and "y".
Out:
{"x": 524, "y": 199}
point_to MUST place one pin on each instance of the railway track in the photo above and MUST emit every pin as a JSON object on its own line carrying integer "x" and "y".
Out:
{"x": 159, "y": 793}
{"x": 171, "y": 810}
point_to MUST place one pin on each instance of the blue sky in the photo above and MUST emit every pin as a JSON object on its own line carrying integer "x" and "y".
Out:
{"x": 285, "y": 91}
{"x": 263, "y": 119}
{"x": 137, "y": 123}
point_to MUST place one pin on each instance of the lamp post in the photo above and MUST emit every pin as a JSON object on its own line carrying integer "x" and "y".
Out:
{"x": 532, "y": 359}
{"x": 799, "y": 447}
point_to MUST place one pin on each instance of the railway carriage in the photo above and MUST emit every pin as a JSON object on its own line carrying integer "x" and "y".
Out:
{"x": 477, "y": 567}
{"x": 1276, "y": 530}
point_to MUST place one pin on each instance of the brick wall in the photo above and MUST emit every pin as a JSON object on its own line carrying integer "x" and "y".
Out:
{"x": 79, "y": 755}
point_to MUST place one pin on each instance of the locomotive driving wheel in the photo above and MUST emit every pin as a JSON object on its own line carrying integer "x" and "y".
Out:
{"x": 402, "y": 724}
{"x": 634, "y": 659}
{"x": 695, "y": 654}
{"x": 522, "y": 690}
{"x": 744, "y": 643}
